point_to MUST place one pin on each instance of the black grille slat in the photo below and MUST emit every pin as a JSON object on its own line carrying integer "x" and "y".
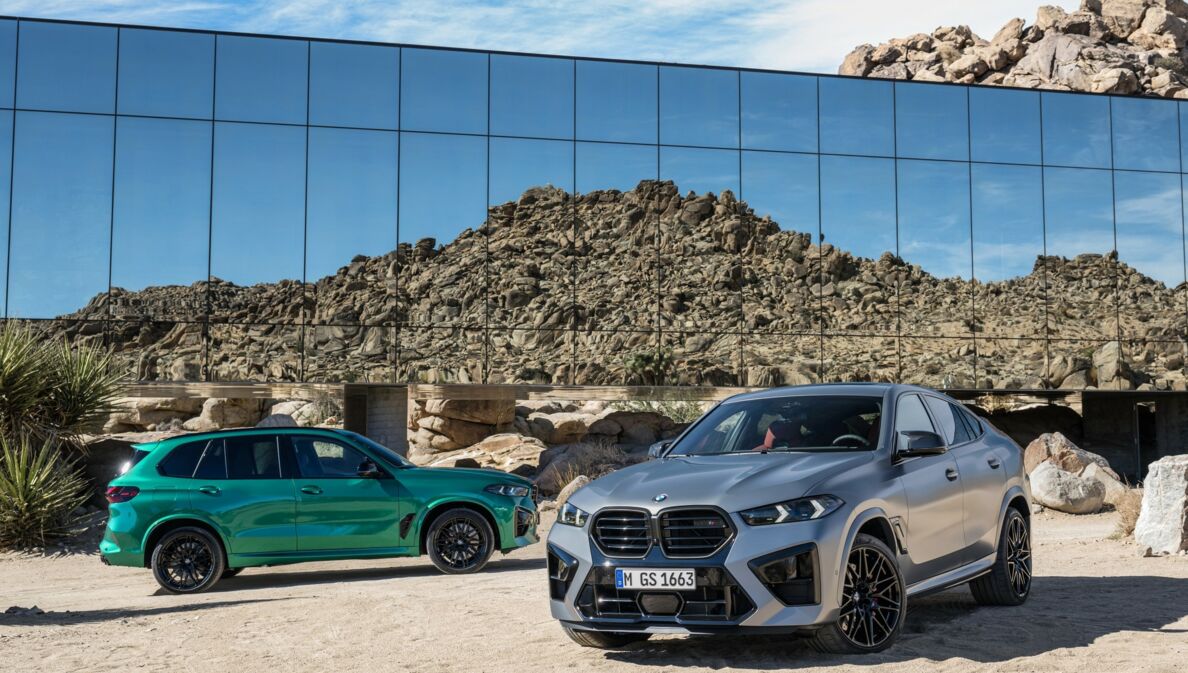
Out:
{"x": 692, "y": 533}
{"x": 623, "y": 533}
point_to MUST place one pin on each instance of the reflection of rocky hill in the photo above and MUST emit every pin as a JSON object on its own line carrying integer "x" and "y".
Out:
{"x": 553, "y": 261}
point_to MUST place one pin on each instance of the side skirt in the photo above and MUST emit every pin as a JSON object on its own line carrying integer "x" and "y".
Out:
{"x": 953, "y": 577}
{"x": 302, "y": 556}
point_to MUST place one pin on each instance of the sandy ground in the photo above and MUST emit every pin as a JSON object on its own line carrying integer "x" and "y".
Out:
{"x": 1096, "y": 606}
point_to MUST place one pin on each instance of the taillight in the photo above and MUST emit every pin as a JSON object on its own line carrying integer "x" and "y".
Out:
{"x": 121, "y": 493}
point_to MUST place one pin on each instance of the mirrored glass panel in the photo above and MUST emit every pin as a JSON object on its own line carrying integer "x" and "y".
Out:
{"x": 1146, "y": 134}
{"x": 261, "y": 79}
{"x": 1071, "y": 364}
{"x": 354, "y": 85}
{"x": 1079, "y": 239}
{"x": 619, "y": 358}
{"x": 858, "y": 228}
{"x": 1076, "y": 130}
{"x": 934, "y": 234}
{"x": 5, "y": 182}
{"x": 440, "y": 355}
{"x": 779, "y": 112}
{"x": 66, "y": 67}
{"x": 1008, "y": 237}
{"x": 1004, "y": 125}
{"x": 362, "y": 354}
{"x": 850, "y": 358}
{"x": 530, "y": 233}
{"x": 531, "y": 96}
{"x": 931, "y": 121}
{"x": 150, "y": 350}
{"x": 443, "y": 205}
{"x": 617, "y": 210}
{"x": 1148, "y": 212}
{"x": 1157, "y": 364}
{"x": 1011, "y": 363}
{"x": 937, "y": 362}
{"x": 350, "y": 249}
{"x": 258, "y": 205}
{"x": 541, "y": 356}
{"x": 161, "y": 233}
{"x": 699, "y": 106}
{"x": 443, "y": 90}
{"x": 781, "y": 360}
{"x": 699, "y": 210}
{"x": 856, "y": 117}
{"x": 61, "y": 192}
{"x": 166, "y": 73}
{"x": 701, "y": 358}
{"x": 616, "y": 102}
{"x": 780, "y": 257}
{"x": 256, "y": 353}
{"x": 8, "y": 31}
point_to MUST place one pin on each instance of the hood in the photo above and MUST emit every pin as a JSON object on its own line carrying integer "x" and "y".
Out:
{"x": 732, "y": 482}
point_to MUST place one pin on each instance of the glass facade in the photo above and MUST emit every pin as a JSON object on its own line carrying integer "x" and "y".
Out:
{"x": 224, "y": 207}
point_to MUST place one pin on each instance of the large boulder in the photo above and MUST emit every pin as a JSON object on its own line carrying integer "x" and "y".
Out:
{"x": 1163, "y": 521}
{"x": 221, "y": 412}
{"x": 1064, "y": 491}
{"x": 560, "y": 428}
{"x": 559, "y": 465}
{"x": 1055, "y": 448}
{"x": 487, "y": 412}
{"x": 509, "y": 452}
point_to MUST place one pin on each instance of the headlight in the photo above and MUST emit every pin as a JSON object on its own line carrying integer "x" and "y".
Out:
{"x": 572, "y": 516}
{"x": 510, "y": 490}
{"x": 803, "y": 509}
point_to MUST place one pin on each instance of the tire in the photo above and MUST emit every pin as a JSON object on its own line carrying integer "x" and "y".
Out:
{"x": 230, "y": 572}
{"x": 1009, "y": 580}
{"x": 460, "y": 541}
{"x": 874, "y": 602}
{"x": 188, "y": 560}
{"x": 604, "y": 641}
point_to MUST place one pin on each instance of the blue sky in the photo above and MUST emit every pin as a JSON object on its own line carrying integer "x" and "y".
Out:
{"x": 810, "y": 35}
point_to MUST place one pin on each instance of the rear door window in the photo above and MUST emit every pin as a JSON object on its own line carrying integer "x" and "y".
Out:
{"x": 213, "y": 464}
{"x": 252, "y": 457}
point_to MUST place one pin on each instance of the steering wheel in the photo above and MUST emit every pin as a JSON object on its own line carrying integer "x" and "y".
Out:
{"x": 865, "y": 442}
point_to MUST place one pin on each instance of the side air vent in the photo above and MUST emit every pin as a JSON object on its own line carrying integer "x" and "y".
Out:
{"x": 622, "y": 532}
{"x": 693, "y": 533}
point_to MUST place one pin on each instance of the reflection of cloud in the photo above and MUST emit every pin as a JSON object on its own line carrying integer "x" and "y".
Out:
{"x": 943, "y": 259}
{"x": 754, "y": 33}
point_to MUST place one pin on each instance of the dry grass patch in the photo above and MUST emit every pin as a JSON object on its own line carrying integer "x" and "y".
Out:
{"x": 1128, "y": 507}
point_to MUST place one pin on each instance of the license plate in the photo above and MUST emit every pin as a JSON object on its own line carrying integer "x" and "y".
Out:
{"x": 681, "y": 579}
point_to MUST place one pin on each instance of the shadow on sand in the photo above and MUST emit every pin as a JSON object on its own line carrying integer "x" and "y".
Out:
{"x": 76, "y": 617}
{"x": 1063, "y": 612}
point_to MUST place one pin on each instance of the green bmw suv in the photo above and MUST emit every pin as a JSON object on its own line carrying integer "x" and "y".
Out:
{"x": 197, "y": 508}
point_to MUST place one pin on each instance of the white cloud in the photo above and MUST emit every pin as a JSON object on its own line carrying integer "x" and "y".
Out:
{"x": 781, "y": 34}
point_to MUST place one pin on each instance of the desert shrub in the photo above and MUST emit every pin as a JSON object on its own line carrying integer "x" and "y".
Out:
{"x": 649, "y": 368}
{"x": 1171, "y": 63}
{"x": 325, "y": 407}
{"x": 680, "y": 411}
{"x": 1128, "y": 507}
{"x": 40, "y": 488}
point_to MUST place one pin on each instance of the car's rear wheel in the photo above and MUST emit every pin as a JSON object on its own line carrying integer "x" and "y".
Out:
{"x": 873, "y": 604}
{"x": 460, "y": 541}
{"x": 604, "y": 640}
{"x": 1009, "y": 580}
{"x": 188, "y": 560}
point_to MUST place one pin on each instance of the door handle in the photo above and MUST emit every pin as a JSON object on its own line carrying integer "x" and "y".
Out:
{"x": 311, "y": 490}
{"x": 209, "y": 490}
{"x": 951, "y": 474}
{"x": 993, "y": 463}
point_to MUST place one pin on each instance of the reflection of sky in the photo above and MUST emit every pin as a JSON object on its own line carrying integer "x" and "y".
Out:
{"x": 1008, "y": 224}
{"x": 614, "y": 166}
{"x": 1145, "y": 134}
{"x": 858, "y": 204}
{"x": 518, "y": 164}
{"x": 856, "y": 117}
{"x": 784, "y": 187}
{"x": 698, "y": 107}
{"x": 934, "y": 217}
{"x": 1149, "y": 224}
{"x": 700, "y": 170}
{"x": 443, "y": 186}
{"x": 1076, "y": 130}
{"x": 779, "y": 112}
{"x": 1079, "y": 211}
{"x": 1004, "y": 125}
{"x": 930, "y": 122}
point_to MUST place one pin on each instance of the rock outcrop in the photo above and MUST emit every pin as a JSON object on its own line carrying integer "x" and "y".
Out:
{"x": 1106, "y": 46}
{"x": 1064, "y": 491}
{"x": 1163, "y": 521}
{"x": 1061, "y": 473}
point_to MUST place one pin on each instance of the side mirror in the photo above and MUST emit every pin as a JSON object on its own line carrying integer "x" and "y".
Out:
{"x": 921, "y": 443}
{"x": 369, "y": 470}
{"x": 656, "y": 450}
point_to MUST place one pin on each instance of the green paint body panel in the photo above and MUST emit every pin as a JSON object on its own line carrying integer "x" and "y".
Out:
{"x": 294, "y": 518}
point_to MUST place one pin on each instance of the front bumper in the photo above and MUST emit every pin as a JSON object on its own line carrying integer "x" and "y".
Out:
{"x": 727, "y": 582}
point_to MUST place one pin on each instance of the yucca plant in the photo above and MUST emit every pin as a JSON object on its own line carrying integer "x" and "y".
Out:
{"x": 40, "y": 488}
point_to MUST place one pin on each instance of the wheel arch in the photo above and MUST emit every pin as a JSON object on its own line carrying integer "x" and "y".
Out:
{"x": 440, "y": 507}
{"x": 1015, "y": 498}
{"x": 874, "y": 521}
{"x": 161, "y": 528}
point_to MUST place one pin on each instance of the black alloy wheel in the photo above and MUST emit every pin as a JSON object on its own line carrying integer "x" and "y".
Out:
{"x": 1018, "y": 556}
{"x": 873, "y": 602}
{"x": 1009, "y": 580}
{"x": 188, "y": 560}
{"x": 460, "y": 541}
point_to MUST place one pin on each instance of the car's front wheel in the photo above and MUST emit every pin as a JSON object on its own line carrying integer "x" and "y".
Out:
{"x": 604, "y": 640}
{"x": 873, "y": 604}
{"x": 1009, "y": 580}
{"x": 188, "y": 560}
{"x": 460, "y": 541}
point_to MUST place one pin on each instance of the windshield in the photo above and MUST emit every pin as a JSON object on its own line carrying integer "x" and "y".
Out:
{"x": 800, "y": 423}
{"x": 384, "y": 452}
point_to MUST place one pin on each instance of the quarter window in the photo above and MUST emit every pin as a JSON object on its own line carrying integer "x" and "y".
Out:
{"x": 321, "y": 458}
{"x": 910, "y": 416}
{"x": 252, "y": 457}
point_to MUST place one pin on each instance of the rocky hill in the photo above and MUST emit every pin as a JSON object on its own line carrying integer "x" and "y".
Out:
{"x": 729, "y": 290}
{"x": 1107, "y": 46}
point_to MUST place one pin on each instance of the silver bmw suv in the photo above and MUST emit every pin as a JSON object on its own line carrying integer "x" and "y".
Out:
{"x": 818, "y": 509}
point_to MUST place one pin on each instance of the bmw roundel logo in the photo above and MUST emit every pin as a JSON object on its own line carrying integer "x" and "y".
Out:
{"x": 660, "y": 498}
